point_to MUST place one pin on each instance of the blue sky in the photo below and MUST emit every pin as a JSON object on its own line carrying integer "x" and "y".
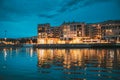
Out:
{"x": 21, "y": 17}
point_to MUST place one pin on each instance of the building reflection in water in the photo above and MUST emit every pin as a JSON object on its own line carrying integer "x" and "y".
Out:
{"x": 11, "y": 50}
{"x": 5, "y": 53}
{"x": 29, "y": 51}
{"x": 79, "y": 61}
{"x": 17, "y": 50}
{"x": 45, "y": 58}
{"x": 78, "y": 57}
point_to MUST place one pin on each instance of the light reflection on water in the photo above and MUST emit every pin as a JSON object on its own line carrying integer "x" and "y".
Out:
{"x": 59, "y": 64}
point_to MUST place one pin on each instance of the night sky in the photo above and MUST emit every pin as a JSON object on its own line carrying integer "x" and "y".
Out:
{"x": 20, "y": 17}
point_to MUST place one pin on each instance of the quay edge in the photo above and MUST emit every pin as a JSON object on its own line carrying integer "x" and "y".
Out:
{"x": 95, "y": 45}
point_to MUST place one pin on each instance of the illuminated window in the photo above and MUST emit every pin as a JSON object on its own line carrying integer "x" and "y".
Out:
{"x": 39, "y": 33}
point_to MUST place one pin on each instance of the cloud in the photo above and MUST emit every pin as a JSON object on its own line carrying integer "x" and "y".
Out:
{"x": 17, "y": 14}
{"x": 46, "y": 16}
{"x": 49, "y": 14}
{"x": 72, "y": 5}
{"x": 12, "y": 10}
{"x": 16, "y": 10}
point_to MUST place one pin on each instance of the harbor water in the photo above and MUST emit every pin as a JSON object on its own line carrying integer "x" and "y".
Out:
{"x": 59, "y": 64}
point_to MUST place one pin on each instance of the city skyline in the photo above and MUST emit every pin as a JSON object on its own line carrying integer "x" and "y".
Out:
{"x": 20, "y": 18}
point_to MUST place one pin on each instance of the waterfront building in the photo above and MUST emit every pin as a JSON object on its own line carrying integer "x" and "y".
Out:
{"x": 56, "y": 32}
{"x": 94, "y": 31}
{"x": 79, "y": 32}
{"x": 110, "y": 31}
{"x": 54, "y": 35}
{"x": 43, "y": 31}
{"x": 50, "y": 32}
{"x": 66, "y": 33}
{"x": 73, "y": 31}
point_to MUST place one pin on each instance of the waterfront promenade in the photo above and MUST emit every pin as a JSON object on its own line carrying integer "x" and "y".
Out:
{"x": 10, "y": 45}
{"x": 82, "y": 45}
{"x": 90, "y": 45}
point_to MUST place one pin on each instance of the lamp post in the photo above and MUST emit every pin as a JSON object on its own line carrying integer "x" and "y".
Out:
{"x": 5, "y": 35}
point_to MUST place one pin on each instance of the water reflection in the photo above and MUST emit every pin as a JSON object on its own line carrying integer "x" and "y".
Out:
{"x": 30, "y": 51}
{"x": 59, "y": 64}
{"x": 5, "y": 53}
{"x": 81, "y": 64}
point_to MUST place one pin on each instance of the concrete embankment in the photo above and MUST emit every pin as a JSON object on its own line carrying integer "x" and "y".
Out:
{"x": 95, "y": 45}
{"x": 10, "y": 46}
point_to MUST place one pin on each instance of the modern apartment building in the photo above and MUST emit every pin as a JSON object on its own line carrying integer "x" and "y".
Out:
{"x": 76, "y": 32}
{"x": 57, "y": 31}
{"x": 94, "y": 31}
{"x": 72, "y": 30}
{"x": 43, "y": 30}
{"x": 111, "y": 31}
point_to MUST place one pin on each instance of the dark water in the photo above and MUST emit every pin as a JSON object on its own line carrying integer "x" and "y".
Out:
{"x": 59, "y": 64}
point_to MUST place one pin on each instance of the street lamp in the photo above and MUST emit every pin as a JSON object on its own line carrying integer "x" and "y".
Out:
{"x": 5, "y": 35}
